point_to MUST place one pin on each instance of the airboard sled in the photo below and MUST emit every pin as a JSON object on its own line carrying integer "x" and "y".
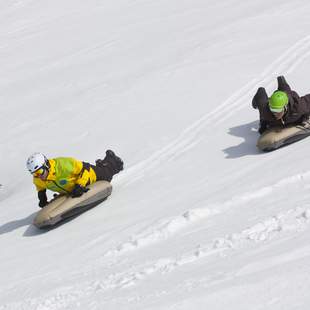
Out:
{"x": 64, "y": 207}
{"x": 275, "y": 138}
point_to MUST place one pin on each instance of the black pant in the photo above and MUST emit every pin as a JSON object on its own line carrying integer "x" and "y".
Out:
{"x": 106, "y": 168}
{"x": 104, "y": 173}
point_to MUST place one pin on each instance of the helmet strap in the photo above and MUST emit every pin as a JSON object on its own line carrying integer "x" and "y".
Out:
{"x": 47, "y": 165}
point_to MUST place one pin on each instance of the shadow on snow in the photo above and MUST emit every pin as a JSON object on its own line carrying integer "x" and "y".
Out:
{"x": 11, "y": 226}
{"x": 248, "y": 146}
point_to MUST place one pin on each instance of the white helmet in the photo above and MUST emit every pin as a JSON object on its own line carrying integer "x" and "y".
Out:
{"x": 36, "y": 161}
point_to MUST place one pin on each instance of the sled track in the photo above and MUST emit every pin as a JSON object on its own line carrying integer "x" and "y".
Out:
{"x": 289, "y": 222}
{"x": 282, "y": 224}
{"x": 285, "y": 64}
{"x": 167, "y": 228}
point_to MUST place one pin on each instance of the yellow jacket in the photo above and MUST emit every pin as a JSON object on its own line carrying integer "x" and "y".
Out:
{"x": 64, "y": 174}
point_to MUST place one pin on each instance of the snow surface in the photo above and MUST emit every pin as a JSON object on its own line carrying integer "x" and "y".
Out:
{"x": 199, "y": 219}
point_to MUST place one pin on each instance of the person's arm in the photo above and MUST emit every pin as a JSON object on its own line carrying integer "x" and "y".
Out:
{"x": 41, "y": 190}
{"x": 42, "y": 198}
{"x": 262, "y": 126}
{"x": 82, "y": 170}
{"x": 282, "y": 84}
{"x": 303, "y": 108}
{"x": 83, "y": 174}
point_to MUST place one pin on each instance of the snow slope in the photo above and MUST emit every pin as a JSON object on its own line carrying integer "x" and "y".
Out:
{"x": 199, "y": 218}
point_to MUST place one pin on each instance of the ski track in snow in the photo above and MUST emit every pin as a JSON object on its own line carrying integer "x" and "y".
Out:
{"x": 291, "y": 221}
{"x": 167, "y": 228}
{"x": 283, "y": 65}
{"x": 162, "y": 230}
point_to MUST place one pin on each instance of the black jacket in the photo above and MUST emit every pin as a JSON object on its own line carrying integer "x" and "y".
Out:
{"x": 297, "y": 110}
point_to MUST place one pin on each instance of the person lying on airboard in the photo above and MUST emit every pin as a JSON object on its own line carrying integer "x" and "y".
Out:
{"x": 67, "y": 175}
{"x": 284, "y": 107}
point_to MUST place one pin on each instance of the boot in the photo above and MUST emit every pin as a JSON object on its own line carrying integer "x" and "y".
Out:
{"x": 111, "y": 160}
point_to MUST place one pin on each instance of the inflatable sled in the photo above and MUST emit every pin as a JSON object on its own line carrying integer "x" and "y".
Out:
{"x": 64, "y": 207}
{"x": 275, "y": 138}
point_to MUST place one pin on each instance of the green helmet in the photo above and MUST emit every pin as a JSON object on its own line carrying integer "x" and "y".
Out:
{"x": 278, "y": 101}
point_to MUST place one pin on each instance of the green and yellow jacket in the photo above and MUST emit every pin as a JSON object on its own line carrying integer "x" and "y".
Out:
{"x": 64, "y": 173}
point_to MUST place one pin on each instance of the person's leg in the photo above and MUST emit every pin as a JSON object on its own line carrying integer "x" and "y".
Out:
{"x": 107, "y": 167}
{"x": 260, "y": 98}
{"x": 103, "y": 173}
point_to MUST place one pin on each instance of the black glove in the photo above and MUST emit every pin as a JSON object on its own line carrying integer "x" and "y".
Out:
{"x": 42, "y": 204}
{"x": 42, "y": 198}
{"x": 78, "y": 191}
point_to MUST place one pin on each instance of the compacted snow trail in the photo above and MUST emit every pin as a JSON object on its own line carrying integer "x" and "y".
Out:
{"x": 240, "y": 99}
{"x": 199, "y": 218}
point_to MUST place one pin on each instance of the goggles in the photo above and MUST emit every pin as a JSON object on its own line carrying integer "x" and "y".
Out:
{"x": 275, "y": 111}
{"x": 39, "y": 172}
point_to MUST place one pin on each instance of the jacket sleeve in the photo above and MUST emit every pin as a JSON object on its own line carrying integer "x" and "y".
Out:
{"x": 304, "y": 106}
{"x": 282, "y": 84}
{"x": 260, "y": 98}
{"x": 40, "y": 185}
{"x": 84, "y": 175}
{"x": 262, "y": 126}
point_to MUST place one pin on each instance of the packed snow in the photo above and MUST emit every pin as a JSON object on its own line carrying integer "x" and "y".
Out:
{"x": 199, "y": 218}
